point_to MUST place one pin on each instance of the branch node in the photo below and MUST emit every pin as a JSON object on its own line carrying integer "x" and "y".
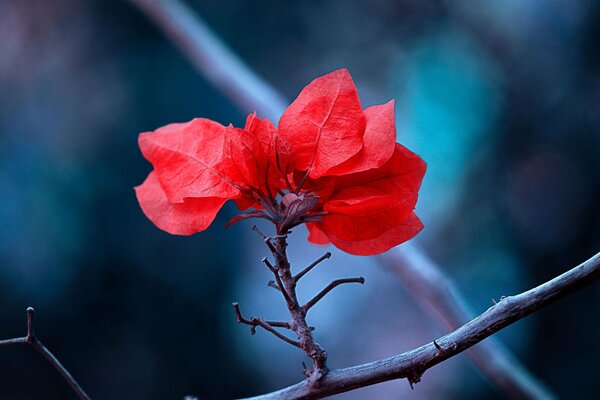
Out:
{"x": 265, "y": 238}
{"x": 413, "y": 378}
{"x": 273, "y": 285}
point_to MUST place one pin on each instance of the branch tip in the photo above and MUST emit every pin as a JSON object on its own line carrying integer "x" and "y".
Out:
{"x": 329, "y": 288}
{"x": 311, "y": 266}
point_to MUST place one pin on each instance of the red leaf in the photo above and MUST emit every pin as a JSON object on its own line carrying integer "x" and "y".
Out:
{"x": 325, "y": 124}
{"x": 379, "y": 141}
{"x": 186, "y": 218}
{"x": 189, "y": 160}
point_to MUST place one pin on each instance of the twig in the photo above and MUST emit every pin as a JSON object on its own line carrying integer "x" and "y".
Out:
{"x": 253, "y": 322}
{"x": 273, "y": 285}
{"x": 309, "y": 304}
{"x": 412, "y": 364}
{"x": 208, "y": 53}
{"x": 264, "y": 237}
{"x": 280, "y": 285}
{"x": 300, "y": 274}
{"x": 34, "y": 342}
{"x": 437, "y": 294}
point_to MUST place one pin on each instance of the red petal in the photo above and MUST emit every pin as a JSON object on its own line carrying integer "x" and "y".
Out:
{"x": 365, "y": 201}
{"x": 191, "y": 216}
{"x": 407, "y": 230}
{"x": 246, "y": 157}
{"x": 402, "y": 173}
{"x": 278, "y": 159}
{"x": 379, "y": 141}
{"x": 189, "y": 160}
{"x": 263, "y": 130}
{"x": 325, "y": 124}
{"x": 316, "y": 234}
{"x": 379, "y": 220}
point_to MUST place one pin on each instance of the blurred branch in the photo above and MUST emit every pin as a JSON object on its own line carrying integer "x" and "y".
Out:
{"x": 412, "y": 364}
{"x": 437, "y": 294}
{"x": 235, "y": 79}
{"x": 34, "y": 342}
{"x": 213, "y": 59}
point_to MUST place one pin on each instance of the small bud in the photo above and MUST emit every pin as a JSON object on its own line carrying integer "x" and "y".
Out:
{"x": 289, "y": 199}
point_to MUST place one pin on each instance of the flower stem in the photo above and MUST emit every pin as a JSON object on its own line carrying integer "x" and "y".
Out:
{"x": 305, "y": 337}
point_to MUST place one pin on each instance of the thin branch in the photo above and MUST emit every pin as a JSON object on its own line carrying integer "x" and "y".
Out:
{"x": 34, "y": 342}
{"x": 309, "y": 304}
{"x": 253, "y": 322}
{"x": 311, "y": 266}
{"x": 437, "y": 294}
{"x": 280, "y": 284}
{"x": 273, "y": 285}
{"x": 412, "y": 364}
{"x": 237, "y": 81}
{"x": 264, "y": 237}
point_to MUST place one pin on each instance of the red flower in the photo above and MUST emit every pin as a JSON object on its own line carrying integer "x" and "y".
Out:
{"x": 329, "y": 164}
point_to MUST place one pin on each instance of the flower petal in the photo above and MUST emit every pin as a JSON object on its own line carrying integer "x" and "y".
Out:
{"x": 325, "y": 124}
{"x": 186, "y": 218}
{"x": 354, "y": 226}
{"x": 189, "y": 160}
{"x": 379, "y": 141}
{"x": 316, "y": 234}
{"x": 395, "y": 236}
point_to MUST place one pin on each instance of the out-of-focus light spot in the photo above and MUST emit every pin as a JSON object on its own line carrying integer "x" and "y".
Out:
{"x": 448, "y": 95}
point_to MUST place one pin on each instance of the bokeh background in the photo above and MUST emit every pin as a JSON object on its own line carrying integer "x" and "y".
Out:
{"x": 501, "y": 98}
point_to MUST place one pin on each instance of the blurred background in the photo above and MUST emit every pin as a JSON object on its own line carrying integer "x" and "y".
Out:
{"x": 501, "y": 98}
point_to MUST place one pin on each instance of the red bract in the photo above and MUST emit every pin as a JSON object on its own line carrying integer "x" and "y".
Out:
{"x": 330, "y": 164}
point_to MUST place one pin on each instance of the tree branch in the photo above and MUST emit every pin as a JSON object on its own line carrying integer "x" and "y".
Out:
{"x": 311, "y": 266}
{"x": 236, "y": 81}
{"x": 309, "y": 304}
{"x": 437, "y": 294}
{"x": 254, "y": 322}
{"x": 34, "y": 342}
{"x": 412, "y": 364}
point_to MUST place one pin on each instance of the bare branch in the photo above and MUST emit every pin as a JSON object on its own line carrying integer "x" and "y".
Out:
{"x": 273, "y": 285}
{"x": 34, "y": 342}
{"x": 329, "y": 288}
{"x": 437, "y": 294}
{"x": 311, "y": 266}
{"x": 253, "y": 322}
{"x": 280, "y": 284}
{"x": 412, "y": 364}
{"x": 264, "y": 237}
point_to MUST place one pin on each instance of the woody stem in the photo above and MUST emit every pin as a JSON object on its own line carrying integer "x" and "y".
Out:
{"x": 297, "y": 312}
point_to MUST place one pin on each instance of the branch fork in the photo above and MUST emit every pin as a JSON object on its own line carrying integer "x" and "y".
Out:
{"x": 285, "y": 283}
{"x": 32, "y": 340}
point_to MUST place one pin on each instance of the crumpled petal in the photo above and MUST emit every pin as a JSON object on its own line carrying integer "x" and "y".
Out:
{"x": 325, "y": 124}
{"x": 186, "y": 218}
